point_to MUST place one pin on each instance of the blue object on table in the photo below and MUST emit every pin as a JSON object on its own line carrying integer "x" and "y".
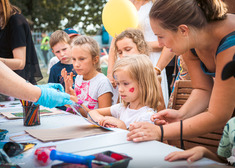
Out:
{"x": 3, "y": 133}
{"x": 71, "y": 158}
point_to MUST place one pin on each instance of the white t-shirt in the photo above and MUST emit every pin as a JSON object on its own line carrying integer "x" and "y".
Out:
{"x": 52, "y": 62}
{"x": 89, "y": 90}
{"x": 129, "y": 116}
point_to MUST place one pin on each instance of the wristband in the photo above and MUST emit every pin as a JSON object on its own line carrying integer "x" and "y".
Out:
{"x": 158, "y": 70}
{"x": 162, "y": 132}
{"x": 181, "y": 134}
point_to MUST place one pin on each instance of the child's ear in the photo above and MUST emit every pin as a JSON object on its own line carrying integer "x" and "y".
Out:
{"x": 96, "y": 59}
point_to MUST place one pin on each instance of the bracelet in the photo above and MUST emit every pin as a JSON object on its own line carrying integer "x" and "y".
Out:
{"x": 158, "y": 70}
{"x": 181, "y": 134}
{"x": 80, "y": 102}
{"x": 162, "y": 132}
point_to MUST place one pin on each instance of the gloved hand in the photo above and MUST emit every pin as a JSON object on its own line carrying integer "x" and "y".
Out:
{"x": 51, "y": 98}
{"x": 56, "y": 86}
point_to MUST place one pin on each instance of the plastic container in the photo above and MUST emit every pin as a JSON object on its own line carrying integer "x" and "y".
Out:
{"x": 31, "y": 115}
{"x": 122, "y": 161}
{"x": 3, "y": 133}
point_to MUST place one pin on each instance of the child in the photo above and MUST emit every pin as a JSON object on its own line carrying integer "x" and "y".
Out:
{"x": 91, "y": 86}
{"x": 137, "y": 86}
{"x": 60, "y": 46}
{"x": 225, "y": 151}
{"x": 130, "y": 41}
{"x": 72, "y": 33}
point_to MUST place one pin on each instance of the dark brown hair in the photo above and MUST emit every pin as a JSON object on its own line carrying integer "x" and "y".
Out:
{"x": 195, "y": 13}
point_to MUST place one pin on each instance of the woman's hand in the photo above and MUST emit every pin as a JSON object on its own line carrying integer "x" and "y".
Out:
{"x": 143, "y": 131}
{"x": 166, "y": 116}
{"x": 191, "y": 155}
{"x": 109, "y": 121}
{"x": 112, "y": 80}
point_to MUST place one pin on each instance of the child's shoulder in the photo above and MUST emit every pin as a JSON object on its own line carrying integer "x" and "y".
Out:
{"x": 56, "y": 66}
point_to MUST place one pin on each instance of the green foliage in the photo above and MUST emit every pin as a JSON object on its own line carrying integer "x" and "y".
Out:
{"x": 46, "y": 15}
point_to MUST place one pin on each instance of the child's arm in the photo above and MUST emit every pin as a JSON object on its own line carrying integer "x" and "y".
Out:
{"x": 98, "y": 114}
{"x": 109, "y": 121}
{"x": 193, "y": 155}
{"x": 105, "y": 100}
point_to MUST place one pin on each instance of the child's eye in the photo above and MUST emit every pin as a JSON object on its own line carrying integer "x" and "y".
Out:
{"x": 126, "y": 83}
{"x": 81, "y": 59}
{"x": 118, "y": 83}
{"x": 64, "y": 49}
{"x": 119, "y": 52}
{"x": 128, "y": 49}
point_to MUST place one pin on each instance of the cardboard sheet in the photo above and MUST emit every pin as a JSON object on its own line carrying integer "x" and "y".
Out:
{"x": 64, "y": 133}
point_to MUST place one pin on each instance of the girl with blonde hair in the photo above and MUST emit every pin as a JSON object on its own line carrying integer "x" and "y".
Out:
{"x": 137, "y": 86}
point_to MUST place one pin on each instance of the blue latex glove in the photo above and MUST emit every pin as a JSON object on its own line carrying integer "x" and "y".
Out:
{"x": 56, "y": 86}
{"x": 52, "y": 98}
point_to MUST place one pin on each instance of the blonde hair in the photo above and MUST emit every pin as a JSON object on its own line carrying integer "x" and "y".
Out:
{"x": 59, "y": 36}
{"x": 140, "y": 68}
{"x": 92, "y": 46}
{"x": 8, "y": 11}
{"x": 137, "y": 37}
{"x": 194, "y": 13}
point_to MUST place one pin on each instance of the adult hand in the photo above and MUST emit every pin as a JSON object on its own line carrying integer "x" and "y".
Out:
{"x": 191, "y": 155}
{"x": 56, "y": 86}
{"x": 112, "y": 80}
{"x": 51, "y": 98}
{"x": 143, "y": 131}
{"x": 166, "y": 116}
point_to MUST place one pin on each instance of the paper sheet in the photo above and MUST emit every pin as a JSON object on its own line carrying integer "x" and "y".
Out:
{"x": 19, "y": 114}
{"x": 65, "y": 133}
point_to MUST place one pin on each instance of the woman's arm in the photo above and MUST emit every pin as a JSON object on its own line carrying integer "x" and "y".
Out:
{"x": 221, "y": 105}
{"x": 111, "y": 60}
{"x": 154, "y": 45}
{"x": 165, "y": 58}
{"x": 18, "y": 61}
{"x": 14, "y": 85}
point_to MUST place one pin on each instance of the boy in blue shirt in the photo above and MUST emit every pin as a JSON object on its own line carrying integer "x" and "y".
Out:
{"x": 60, "y": 45}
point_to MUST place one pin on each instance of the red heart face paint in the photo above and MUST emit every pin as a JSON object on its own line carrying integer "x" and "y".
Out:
{"x": 131, "y": 90}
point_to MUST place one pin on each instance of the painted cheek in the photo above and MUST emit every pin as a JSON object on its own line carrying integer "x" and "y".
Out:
{"x": 131, "y": 90}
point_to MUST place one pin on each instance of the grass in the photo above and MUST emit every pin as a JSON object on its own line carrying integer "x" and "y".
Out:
{"x": 45, "y": 76}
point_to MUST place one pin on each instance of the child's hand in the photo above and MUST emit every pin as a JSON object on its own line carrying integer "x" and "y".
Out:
{"x": 191, "y": 155}
{"x": 165, "y": 116}
{"x": 112, "y": 122}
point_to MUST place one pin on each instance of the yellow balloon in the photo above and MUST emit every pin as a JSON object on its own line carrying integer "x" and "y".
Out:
{"x": 118, "y": 15}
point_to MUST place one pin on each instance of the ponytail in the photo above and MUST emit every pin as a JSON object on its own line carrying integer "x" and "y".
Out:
{"x": 213, "y": 9}
{"x": 194, "y": 13}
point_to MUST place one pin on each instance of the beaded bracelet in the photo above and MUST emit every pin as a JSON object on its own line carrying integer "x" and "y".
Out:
{"x": 158, "y": 70}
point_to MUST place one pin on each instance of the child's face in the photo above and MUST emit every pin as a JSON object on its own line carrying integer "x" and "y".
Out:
{"x": 83, "y": 62}
{"x": 127, "y": 87}
{"x": 63, "y": 52}
{"x": 126, "y": 46}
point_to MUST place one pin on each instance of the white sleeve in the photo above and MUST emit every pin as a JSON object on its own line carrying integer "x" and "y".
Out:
{"x": 116, "y": 110}
{"x": 104, "y": 86}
